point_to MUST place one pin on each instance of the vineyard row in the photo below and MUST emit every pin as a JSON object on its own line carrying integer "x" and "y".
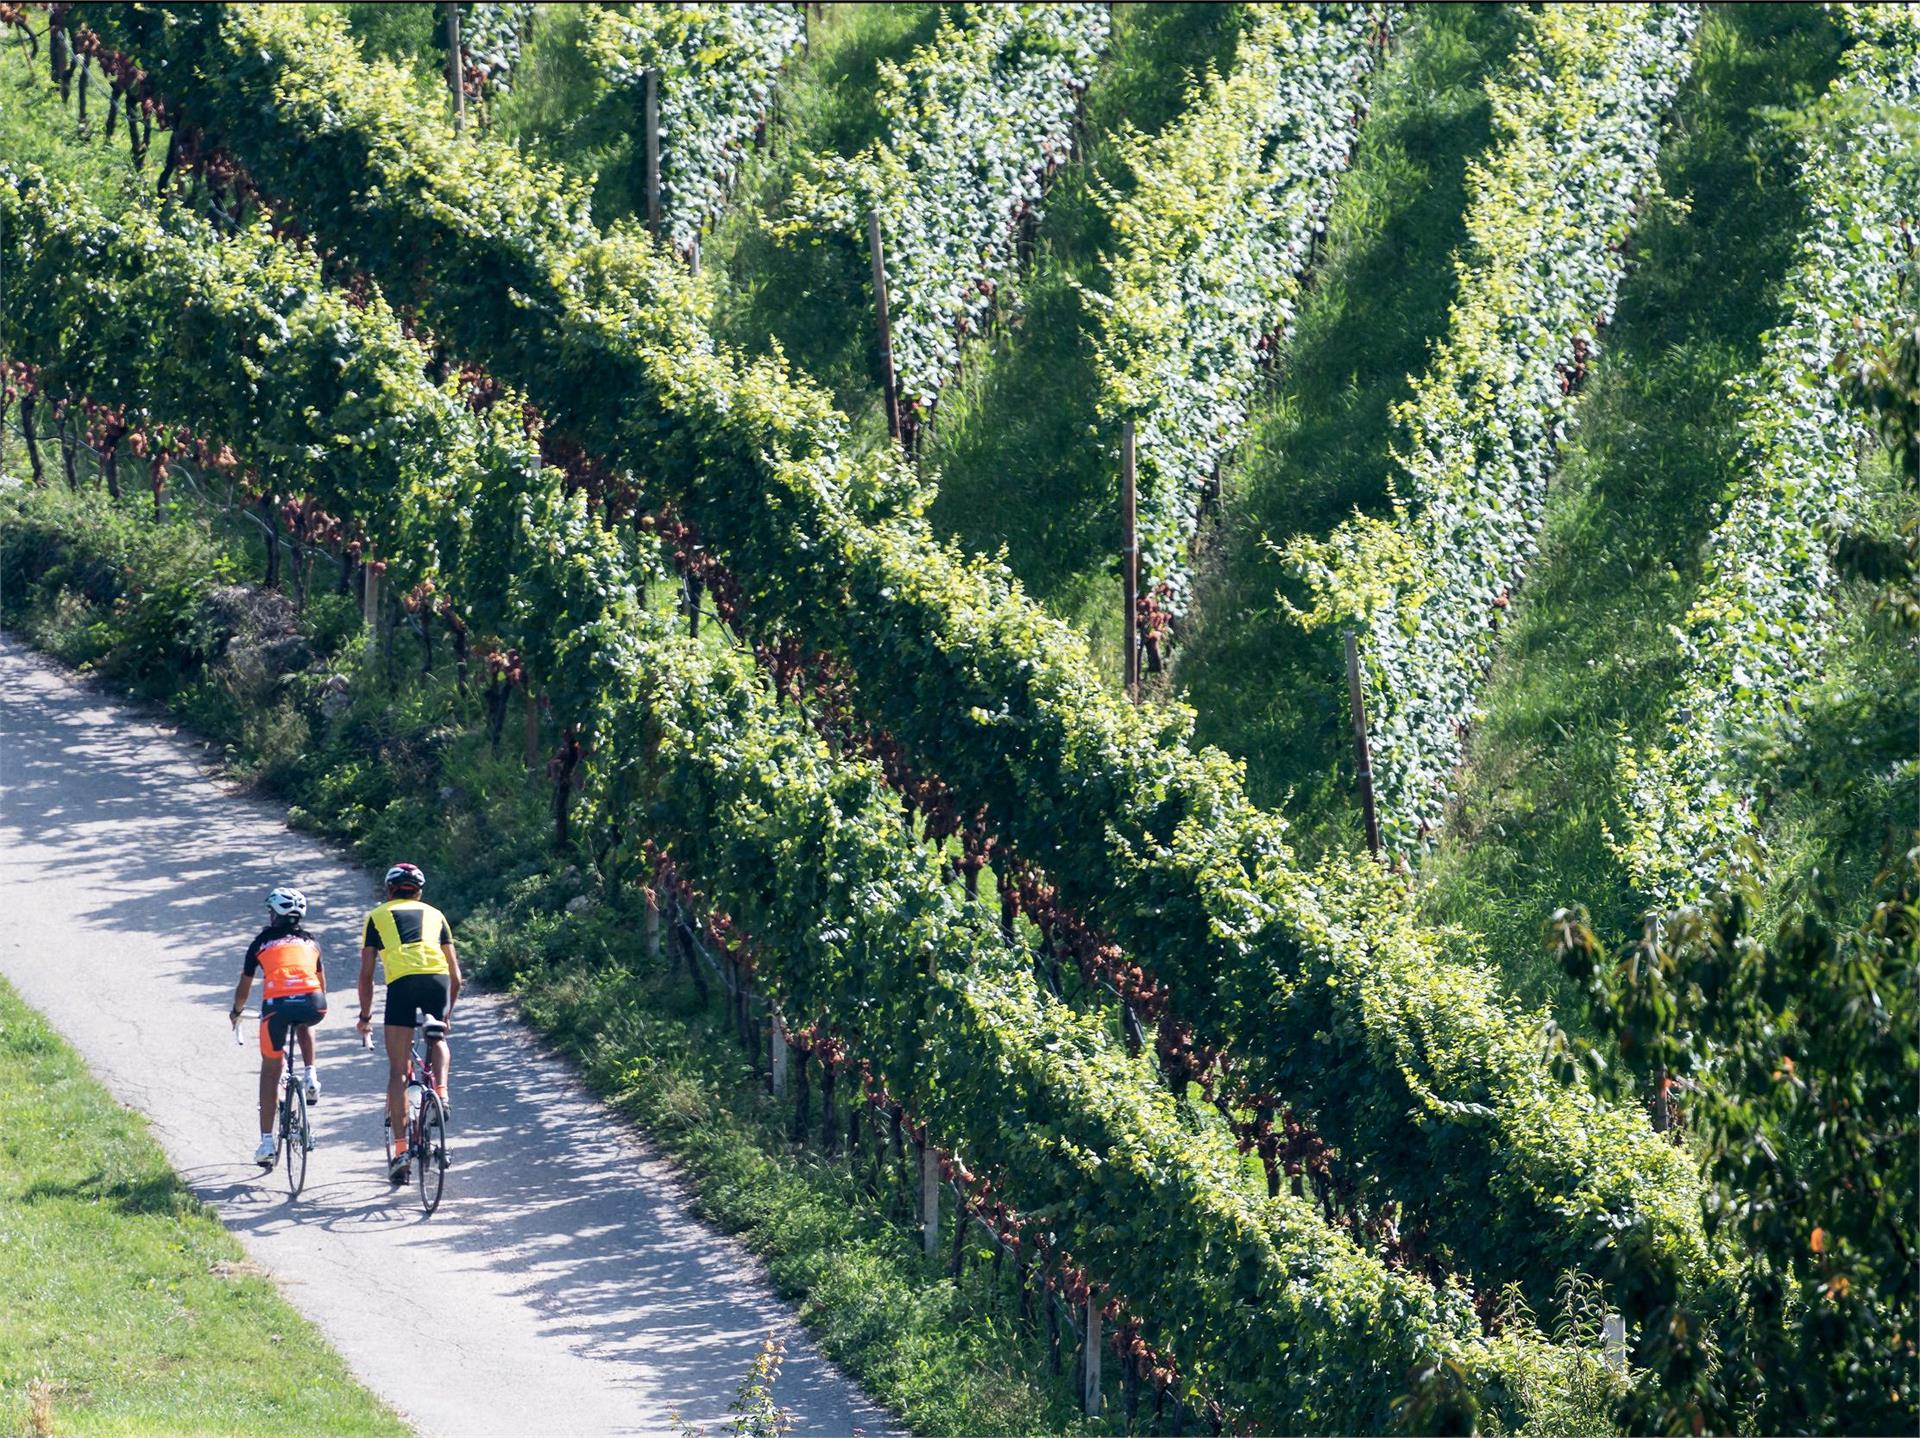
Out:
{"x": 1320, "y": 984}
{"x": 1756, "y": 638}
{"x": 800, "y": 851}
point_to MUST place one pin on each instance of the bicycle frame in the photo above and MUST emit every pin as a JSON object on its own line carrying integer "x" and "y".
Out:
{"x": 414, "y": 1143}
{"x": 291, "y": 1079}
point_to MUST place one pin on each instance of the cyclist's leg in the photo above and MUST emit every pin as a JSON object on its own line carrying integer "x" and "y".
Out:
{"x": 273, "y": 1039}
{"x": 306, "y": 1044}
{"x": 432, "y": 991}
{"x": 438, "y": 1056}
{"x": 398, "y": 1039}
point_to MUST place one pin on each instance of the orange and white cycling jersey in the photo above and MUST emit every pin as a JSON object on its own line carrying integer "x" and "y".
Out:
{"x": 291, "y": 963}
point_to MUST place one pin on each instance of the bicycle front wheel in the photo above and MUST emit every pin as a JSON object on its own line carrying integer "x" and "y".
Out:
{"x": 293, "y": 1138}
{"x": 430, "y": 1153}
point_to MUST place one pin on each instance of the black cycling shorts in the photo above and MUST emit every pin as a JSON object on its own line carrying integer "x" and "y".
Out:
{"x": 279, "y": 1015}
{"x": 425, "y": 992}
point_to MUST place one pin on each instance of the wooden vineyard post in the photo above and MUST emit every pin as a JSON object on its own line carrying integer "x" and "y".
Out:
{"x": 651, "y": 118}
{"x": 1129, "y": 562}
{"x": 369, "y": 593}
{"x": 886, "y": 324}
{"x": 459, "y": 70}
{"x": 779, "y": 1057}
{"x": 1090, "y": 1361}
{"x": 651, "y": 926}
{"x": 930, "y": 1200}
{"x": 1362, "y": 754}
{"x": 532, "y": 745}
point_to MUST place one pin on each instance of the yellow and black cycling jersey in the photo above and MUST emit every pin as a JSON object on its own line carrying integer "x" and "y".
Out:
{"x": 409, "y": 935}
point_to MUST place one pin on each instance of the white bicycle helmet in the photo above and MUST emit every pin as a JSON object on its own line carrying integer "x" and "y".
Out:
{"x": 286, "y": 903}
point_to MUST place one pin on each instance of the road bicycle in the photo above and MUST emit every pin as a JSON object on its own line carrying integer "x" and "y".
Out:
{"x": 426, "y": 1115}
{"x": 292, "y": 1133}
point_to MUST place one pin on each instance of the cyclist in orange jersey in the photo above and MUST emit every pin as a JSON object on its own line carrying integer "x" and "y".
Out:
{"x": 294, "y": 996}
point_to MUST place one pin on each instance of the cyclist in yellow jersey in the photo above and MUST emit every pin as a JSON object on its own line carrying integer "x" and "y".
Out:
{"x": 414, "y": 943}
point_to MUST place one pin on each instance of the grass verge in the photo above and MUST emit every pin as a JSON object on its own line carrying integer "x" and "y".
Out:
{"x": 126, "y": 1307}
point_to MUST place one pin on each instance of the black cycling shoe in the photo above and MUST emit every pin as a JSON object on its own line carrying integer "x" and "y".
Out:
{"x": 398, "y": 1173}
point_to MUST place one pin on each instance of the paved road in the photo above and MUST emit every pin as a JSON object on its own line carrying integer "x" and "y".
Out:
{"x": 562, "y": 1277}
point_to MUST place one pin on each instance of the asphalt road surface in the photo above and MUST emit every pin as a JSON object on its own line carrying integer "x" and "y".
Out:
{"x": 562, "y": 1288}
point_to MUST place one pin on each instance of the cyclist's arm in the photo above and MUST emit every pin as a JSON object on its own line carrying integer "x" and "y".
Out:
{"x": 367, "y": 957}
{"x": 249, "y": 966}
{"x": 453, "y": 975}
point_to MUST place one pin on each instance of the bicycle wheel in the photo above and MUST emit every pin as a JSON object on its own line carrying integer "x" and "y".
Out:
{"x": 293, "y": 1138}
{"x": 430, "y": 1150}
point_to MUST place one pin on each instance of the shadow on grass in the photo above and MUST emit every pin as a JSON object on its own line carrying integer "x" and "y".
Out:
{"x": 1267, "y": 691}
{"x": 156, "y": 1194}
{"x": 1590, "y": 655}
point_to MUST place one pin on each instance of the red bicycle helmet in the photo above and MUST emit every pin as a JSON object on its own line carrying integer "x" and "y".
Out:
{"x": 406, "y": 876}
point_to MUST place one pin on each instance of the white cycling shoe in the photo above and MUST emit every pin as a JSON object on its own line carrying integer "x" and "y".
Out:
{"x": 263, "y": 1155}
{"x": 313, "y": 1087}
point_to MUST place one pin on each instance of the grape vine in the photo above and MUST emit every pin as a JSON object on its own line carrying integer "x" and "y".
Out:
{"x": 1210, "y": 245}
{"x": 977, "y": 119}
{"x": 1756, "y": 635}
{"x": 717, "y": 66}
{"x": 1578, "y": 122}
{"x": 1317, "y": 986}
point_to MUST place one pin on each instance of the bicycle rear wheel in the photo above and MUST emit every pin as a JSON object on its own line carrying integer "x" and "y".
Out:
{"x": 293, "y": 1138}
{"x": 430, "y": 1154}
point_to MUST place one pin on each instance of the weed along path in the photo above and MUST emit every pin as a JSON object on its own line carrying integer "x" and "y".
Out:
{"x": 561, "y": 1289}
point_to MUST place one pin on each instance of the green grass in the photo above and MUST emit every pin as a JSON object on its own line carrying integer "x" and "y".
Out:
{"x": 1590, "y": 654}
{"x": 35, "y": 128}
{"x": 124, "y": 1306}
{"x": 1268, "y": 692}
{"x": 1014, "y": 448}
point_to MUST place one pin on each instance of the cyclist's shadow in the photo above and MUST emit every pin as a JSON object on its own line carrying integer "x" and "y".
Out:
{"x": 346, "y": 1203}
